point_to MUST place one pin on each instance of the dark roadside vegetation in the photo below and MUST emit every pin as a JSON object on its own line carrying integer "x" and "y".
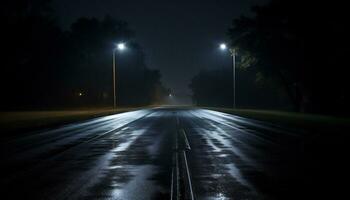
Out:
{"x": 45, "y": 67}
{"x": 291, "y": 55}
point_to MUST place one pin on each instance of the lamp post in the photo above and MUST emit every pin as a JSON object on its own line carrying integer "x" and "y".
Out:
{"x": 120, "y": 47}
{"x": 223, "y": 46}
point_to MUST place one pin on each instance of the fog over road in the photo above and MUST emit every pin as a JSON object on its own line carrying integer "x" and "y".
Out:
{"x": 161, "y": 153}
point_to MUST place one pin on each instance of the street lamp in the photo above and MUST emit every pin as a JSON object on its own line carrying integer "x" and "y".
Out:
{"x": 119, "y": 47}
{"x": 223, "y": 47}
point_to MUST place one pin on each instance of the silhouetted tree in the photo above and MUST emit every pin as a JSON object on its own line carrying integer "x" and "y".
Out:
{"x": 31, "y": 52}
{"x": 45, "y": 67}
{"x": 300, "y": 44}
{"x": 214, "y": 88}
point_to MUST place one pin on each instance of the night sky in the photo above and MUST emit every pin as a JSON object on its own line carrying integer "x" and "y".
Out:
{"x": 178, "y": 37}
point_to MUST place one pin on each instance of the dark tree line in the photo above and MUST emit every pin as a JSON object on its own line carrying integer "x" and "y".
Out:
{"x": 43, "y": 66}
{"x": 299, "y": 46}
{"x": 302, "y": 46}
{"x": 214, "y": 87}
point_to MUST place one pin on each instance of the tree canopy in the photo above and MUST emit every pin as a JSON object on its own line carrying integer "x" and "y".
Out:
{"x": 44, "y": 66}
{"x": 302, "y": 46}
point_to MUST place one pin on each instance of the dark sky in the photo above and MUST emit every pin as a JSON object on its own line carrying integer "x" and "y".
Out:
{"x": 179, "y": 37}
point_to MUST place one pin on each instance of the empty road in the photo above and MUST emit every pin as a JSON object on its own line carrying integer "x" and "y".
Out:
{"x": 161, "y": 153}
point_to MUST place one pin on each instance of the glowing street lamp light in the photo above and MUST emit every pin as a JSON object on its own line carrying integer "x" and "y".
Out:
{"x": 120, "y": 47}
{"x": 223, "y": 46}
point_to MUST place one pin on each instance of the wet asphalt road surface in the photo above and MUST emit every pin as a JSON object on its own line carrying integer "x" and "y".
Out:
{"x": 163, "y": 153}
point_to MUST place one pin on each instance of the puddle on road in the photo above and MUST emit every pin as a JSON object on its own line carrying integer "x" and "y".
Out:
{"x": 140, "y": 187}
{"x": 236, "y": 173}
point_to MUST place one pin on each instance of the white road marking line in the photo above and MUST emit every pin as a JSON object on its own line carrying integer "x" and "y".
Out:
{"x": 177, "y": 177}
{"x": 186, "y": 140}
{"x": 188, "y": 176}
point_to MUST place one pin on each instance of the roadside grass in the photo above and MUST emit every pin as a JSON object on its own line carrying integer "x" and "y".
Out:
{"x": 17, "y": 122}
{"x": 292, "y": 119}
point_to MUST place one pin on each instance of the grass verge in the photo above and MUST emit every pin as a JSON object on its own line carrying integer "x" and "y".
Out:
{"x": 292, "y": 119}
{"x": 13, "y": 123}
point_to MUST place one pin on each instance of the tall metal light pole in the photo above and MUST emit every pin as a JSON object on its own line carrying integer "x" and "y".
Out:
{"x": 233, "y": 54}
{"x": 120, "y": 46}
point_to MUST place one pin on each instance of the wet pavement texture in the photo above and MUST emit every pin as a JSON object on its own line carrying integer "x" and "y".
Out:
{"x": 162, "y": 153}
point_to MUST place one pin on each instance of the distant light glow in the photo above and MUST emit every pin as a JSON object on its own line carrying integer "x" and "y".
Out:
{"x": 170, "y": 95}
{"x": 80, "y": 94}
{"x": 223, "y": 46}
{"x": 121, "y": 46}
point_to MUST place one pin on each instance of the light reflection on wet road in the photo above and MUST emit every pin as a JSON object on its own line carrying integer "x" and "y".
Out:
{"x": 131, "y": 156}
